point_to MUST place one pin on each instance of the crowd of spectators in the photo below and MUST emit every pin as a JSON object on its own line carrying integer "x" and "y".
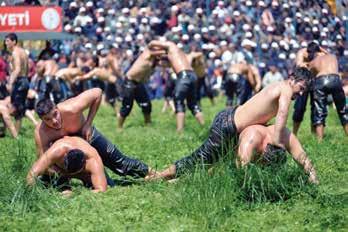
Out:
{"x": 265, "y": 33}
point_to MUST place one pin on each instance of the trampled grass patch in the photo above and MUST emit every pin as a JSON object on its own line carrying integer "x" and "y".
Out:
{"x": 223, "y": 199}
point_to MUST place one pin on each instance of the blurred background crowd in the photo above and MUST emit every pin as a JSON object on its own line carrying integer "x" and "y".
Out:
{"x": 264, "y": 33}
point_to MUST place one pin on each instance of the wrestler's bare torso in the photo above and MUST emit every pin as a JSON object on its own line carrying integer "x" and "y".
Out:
{"x": 47, "y": 68}
{"x": 23, "y": 61}
{"x": 197, "y": 62}
{"x": 178, "y": 59}
{"x": 71, "y": 120}
{"x": 261, "y": 107}
{"x": 244, "y": 70}
{"x": 114, "y": 65}
{"x": 240, "y": 68}
{"x": 142, "y": 68}
{"x": 324, "y": 64}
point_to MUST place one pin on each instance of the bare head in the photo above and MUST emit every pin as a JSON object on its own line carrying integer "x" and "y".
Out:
{"x": 312, "y": 49}
{"x": 49, "y": 113}
{"x": 11, "y": 41}
{"x": 74, "y": 161}
{"x": 300, "y": 80}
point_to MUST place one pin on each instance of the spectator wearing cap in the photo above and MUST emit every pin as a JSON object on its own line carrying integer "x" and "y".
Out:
{"x": 72, "y": 11}
{"x": 276, "y": 10}
{"x": 289, "y": 30}
{"x": 199, "y": 18}
{"x": 184, "y": 20}
{"x": 248, "y": 47}
{"x": 232, "y": 56}
{"x": 89, "y": 29}
{"x": 220, "y": 10}
{"x": 173, "y": 18}
{"x": 82, "y": 18}
{"x": 249, "y": 9}
{"x": 272, "y": 76}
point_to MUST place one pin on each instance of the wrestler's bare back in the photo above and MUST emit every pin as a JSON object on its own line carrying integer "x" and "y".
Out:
{"x": 261, "y": 107}
{"x": 50, "y": 67}
{"x": 72, "y": 142}
{"x": 324, "y": 64}
{"x": 239, "y": 68}
{"x": 23, "y": 57}
{"x": 196, "y": 60}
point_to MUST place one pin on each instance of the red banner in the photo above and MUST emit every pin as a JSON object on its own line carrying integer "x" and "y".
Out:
{"x": 30, "y": 19}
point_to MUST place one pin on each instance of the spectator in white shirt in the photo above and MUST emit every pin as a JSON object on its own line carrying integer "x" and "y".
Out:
{"x": 273, "y": 75}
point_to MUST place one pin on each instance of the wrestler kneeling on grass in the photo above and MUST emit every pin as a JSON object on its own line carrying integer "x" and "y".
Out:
{"x": 254, "y": 146}
{"x": 71, "y": 157}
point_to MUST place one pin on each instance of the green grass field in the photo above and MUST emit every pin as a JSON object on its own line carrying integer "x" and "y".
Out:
{"x": 255, "y": 199}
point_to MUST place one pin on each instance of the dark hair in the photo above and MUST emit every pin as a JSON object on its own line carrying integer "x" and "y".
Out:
{"x": 85, "y": 69}
{"x": 312, "y": 48}
{"x": 45, "y": 56}
{"x": 74, "y": 160}
{"x": 95, "y": 60}
{"x": 302, "y": 74}
{"x": 44, "y": 106}
{"x": 274, "y": 155}
{"x": 12, "y": 37}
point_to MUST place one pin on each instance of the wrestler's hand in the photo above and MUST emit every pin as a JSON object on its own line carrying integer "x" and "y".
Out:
{"x": 257, "y": 88}
{"x": 313, "y": 178}
{"x": 76, "y": 79}
{"x": 9, "y": 87}
{"x": 87, "y": 132}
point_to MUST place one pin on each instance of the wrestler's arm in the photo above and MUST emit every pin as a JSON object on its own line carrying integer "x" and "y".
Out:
{"x": 41, "y": 141}
{"x": 158, "y": 44}
{"x": 40, "y": 69}
{"x": 297, "y": 152}
{"x": 247, "y": 143}
{"x": 88, "y": 99}
{"x": 44, "y": 162}
{"x": 256, "y": 78}
{"x": 115, "y": 68}
{"x": 196, "y": 55}
{"x": 5, "y": 114}
{"x": 98, "y": 178}
{"x": 323, "y": 50}
{"x": 281, "y": 118}
{"x": 87, "y": 76}
{"x": 300, "y": 58}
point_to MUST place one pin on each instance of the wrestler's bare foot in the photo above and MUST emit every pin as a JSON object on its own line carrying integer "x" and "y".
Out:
{"x": 152, "y": 175}
{"x": 199, "y": 117}
{"x": 167, "y": 174}
{"x": 66, "y": 193}
{"x": 180, "y": 121}
{"x": 120, "y": 122}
